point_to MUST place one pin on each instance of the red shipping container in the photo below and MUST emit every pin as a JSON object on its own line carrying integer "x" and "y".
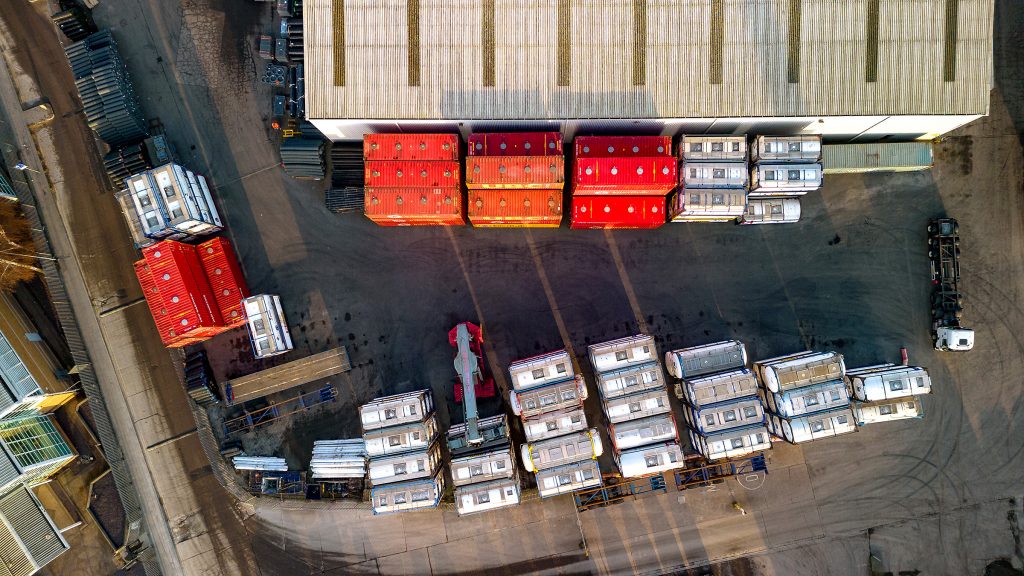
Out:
{"x": 515, "y": 172}
{"x": 413, "y": 174}
{"x": 414, "y": 206}
{"x": 620, "y": 175}
{"x": 184, "y": 289}
{"x": 617, "y": 212}
{"x": 154, "y": 301}
{"x": 411, "y": 147}
{"x": 225, "y": 275}
{"x": 522, "y": 208}
{"x": 621, "y": 146}
{"x": 516, "y": 144}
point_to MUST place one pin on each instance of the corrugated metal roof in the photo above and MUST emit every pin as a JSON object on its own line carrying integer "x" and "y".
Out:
{"x": 585, "y": 68}
{"x": 28, "y": 539}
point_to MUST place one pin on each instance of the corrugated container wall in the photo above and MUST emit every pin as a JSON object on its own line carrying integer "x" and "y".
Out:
{"x": 617, "y": 212}
{"x": 226, "y": 280}
{"x": 411, "y": 147}
{"x": 526, "y": 208}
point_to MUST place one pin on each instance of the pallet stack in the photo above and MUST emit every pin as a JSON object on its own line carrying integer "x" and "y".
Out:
{"x": 347, "y": 173}
{"x": 193, "y": 292}
{"x": 621, "y": 181}
{"x": 515, "y": 179}
{"x": 413, "y": 180}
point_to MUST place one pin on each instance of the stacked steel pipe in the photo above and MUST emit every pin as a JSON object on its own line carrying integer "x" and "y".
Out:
{"x": 621, "y": 181}
{"x": 413, "y": 180}
{"x": 515, "y": 179}
{"x": 193, "y": 292}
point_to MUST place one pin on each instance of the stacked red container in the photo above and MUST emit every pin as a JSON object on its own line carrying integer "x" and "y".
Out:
{"x": 413, "y": 180}
{"x": 226, "y": 280}
{"x": 622, "y": 181}
{"x": 179, "y": 294}
{"x": 515, "y": 179}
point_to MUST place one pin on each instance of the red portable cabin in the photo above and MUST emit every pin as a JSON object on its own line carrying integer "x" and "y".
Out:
{"x": 629, "y": 176}
{"x": 515, "y": 172}
{"x": 622, "y": 146}
{"x": 414, "y": 206}
{"x": 515, "y": 208}
{"x": 516, "y": 144}
{"x": 411, "y": 147}
{"x": 617, "y": 212}
{"x": 413, "y": 174}
{"x": 225, "y": 276}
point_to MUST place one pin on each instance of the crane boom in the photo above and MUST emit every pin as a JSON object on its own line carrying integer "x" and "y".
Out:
{"x": 468, "y": 368}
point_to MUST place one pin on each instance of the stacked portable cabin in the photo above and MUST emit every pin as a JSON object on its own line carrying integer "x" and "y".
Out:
{"x": 515, "y": 179}
{"x": 268, "y": 330}
{"x": 405, "y": 468}
{"x": 806, "y": 396}
{"x": 713, "y": 179}
{"x": 635, "y": 400}
{"x": 413, "y": 180}
{"x": 783, "y": 168}
{"x": 888, "y": 392}
{"x": 171, "y": 202}
{"x": 621, "y": 181}
{"x": 722, "y": 408}
{"x": 335, "y": 460}
{"x": 485, "y": 480}
{"x": 548, "y": 395}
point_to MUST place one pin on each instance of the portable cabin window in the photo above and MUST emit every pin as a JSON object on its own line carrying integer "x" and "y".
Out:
{"x": 697, "y": 147}
{"x": 841, "y": 419}
{"x": 716, "y": 147}
{"x": 634, "y": 407}
{"x": 651, "y": 461}
{"x": 835, "y": 395}
{"x": 794, "y": 146}
{"x": 717, "y": 173}
{"x": 176, "y": 211}
{"x": 793, "y": 174}
{"x": 737, "y": 442}
{"x": 710, "y": 420}
{"x": 420, "y": 495}
{"x": 560, "y": 368}
{"x": 483, "y": 498}
{"x": 630, "y": 381}
{"x": 564, "y": 479}
{"x": 718, "y": 199}
{"x": 750, "y": 411}
{"x": 400, "y": 498}
{"x": 152, "y": 220}
{"x": 587, "y": 474}
{"x": 729, "y": 416}
{"x": 885, "y": 409}
{"x": 531, "y": 404}
{"x": 538, "y": 374}
{"x": 551, "y": 425}
{"x": 399, "y": 469}
{"x": 647, "y": 349}
{"x": 394, "y": 440}
{"x": 390, "y": 414}
{"x": 769, "y": 175}
{"x": 620, "y": 356}
{"x": 735, "y": 146}
{"x": 776, "y": 209}
{"x": 695, "y": 199}
{"x": 920, "y": 382}
{"x": 911, "y": 405}
{"x": 415, "y": 435}
{"x": 568, "y": 395}
{"x": 817, "y": 426}
{"x": 382, "y": 501}
{"x": 660, "y": 401}
{"x": 810, "y": 400}
{"x": 168, "y": 191}
{"x": 412, "y": 410}
{"x": 555, "y": 454}
{"x": 476, "y": 470}
{"x": 548, "y": 399}
{"x": 895, "y": 385}
{"x": 144, "y": 200}
{"x": 421, "y": 465}
{"x": 575, "y": 418}
{"x": 759, "y": 437}
{"x": 672, "y": 457}
{"x": 499, "y": 465}
{"x": 693, "y": 172}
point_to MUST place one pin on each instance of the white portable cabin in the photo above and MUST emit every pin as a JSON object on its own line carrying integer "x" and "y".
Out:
{"x": 707, "y": 205}
{"x": 648, "y": 430}
{"x": 724, "y": 416}
{"x": 732, "y": 443}
{"x": 268, "y": 330}
{"x": 887, "y": 410}
{"x": 541, "y": 370}
{"x": 706, "y": 359}
{"x": 490, "y": 465}
{"x": 813, "y": 426}
{"x": 568, "y": 478}
{"x": 635, "y": 406}
{"x": 771, "y": 211}
{"x": 630, "y": 380}
{"x": 561, "y": 450}
{"x": 651, "y": 459}
{"x": 807, "y": 399}
{"x": 550, "y": 398}
{"x": 405, "y": 496}
{"x": 486, "y": 496}
{"x": 337, "y": 459}
{"x": 406, "y": 466}
{"x": 398, "y": 439}
{"x": 702, "y": 148}
{"x": 551, "y": 424}
{"x": 784, "y": 179}
{"x": 712, "y": 175}
{"x": 803, "y": 148}
{"x": 800, "y": 369}
{"x": 888, "y": 381}
{"x": 718, "y": 388}
{"x": 622, "y": 353}
{"x": 396, "y": 410}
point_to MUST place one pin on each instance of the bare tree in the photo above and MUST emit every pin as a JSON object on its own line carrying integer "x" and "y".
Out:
{"x": 17, "y": 252}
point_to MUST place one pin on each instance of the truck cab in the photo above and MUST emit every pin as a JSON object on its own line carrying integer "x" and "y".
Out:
{"x": 954, "y": 339}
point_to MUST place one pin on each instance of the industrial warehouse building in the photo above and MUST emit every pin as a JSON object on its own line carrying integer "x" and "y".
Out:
{"x": 850, "y": 70}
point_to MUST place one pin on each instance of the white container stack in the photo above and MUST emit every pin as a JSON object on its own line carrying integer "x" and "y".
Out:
{"x": 548, "y": 395}
{"x": 485, "y": 481}
{"x": 400, "y": 435}
{"x": 722, "y": 408}
{"x": 783, "y": 168}
{"x": 888, "y": 392}
{"x": 806, "y": 396}
{"x": 338, "y": 460}
{"x": 713, "y": 179}
{"x": 635, "y": 400}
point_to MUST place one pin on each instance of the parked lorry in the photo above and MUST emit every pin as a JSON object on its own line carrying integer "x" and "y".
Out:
{"x": 947, "y": 301}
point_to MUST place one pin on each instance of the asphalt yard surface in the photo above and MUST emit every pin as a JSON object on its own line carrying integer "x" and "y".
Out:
{"x": 931, "y": 495}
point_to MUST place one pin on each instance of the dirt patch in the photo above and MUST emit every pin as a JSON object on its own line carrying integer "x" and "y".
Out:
{"x": 107, "y": 509}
